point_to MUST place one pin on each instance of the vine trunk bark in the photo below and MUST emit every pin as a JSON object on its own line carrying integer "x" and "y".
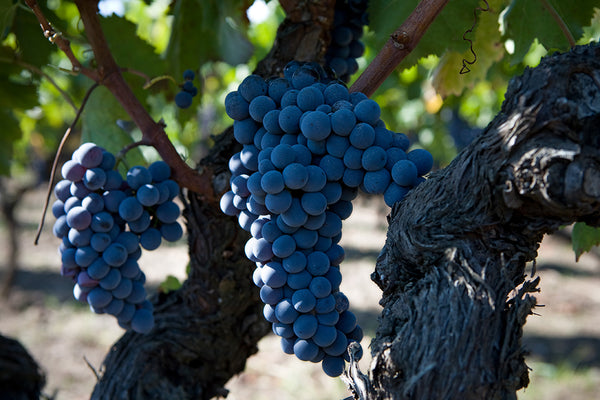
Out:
{"x": 456, "y": 291}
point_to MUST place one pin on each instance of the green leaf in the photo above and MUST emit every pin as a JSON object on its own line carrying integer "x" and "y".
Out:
{"x": 488, "y": 49}
{"x": 34, "y": 48}
{"x": 526, "y": 20}
{"x": 17, "y": 95}
{"x": 445, "y": 33}
{"x": 134, "y": 52}
{"x": 196, "y": 24}
{"x": 583, "y": 238}
{"x": 8, "y": 9}
{"x": 99, "y": 125}
{"x": 169, "y": 284}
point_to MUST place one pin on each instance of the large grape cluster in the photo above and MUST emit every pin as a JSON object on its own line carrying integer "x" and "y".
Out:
{"x": 308, "y": 145}
{"x": 104, "y": 222}
{"x": 349, "y": 18}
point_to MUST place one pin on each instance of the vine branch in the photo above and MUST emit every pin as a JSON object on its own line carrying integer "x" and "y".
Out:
{"x": 108, "y": 73}
{"x": 401, "y": 43}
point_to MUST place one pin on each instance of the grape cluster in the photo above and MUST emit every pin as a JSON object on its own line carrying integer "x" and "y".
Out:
{"x": 308, "y": 145}
{"x": 188, "y": 91}
{"x": 104, "y": 222}
{"x": 349, "y": 18}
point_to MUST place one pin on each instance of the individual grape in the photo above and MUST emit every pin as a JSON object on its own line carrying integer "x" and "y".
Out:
{"x": 422, "y": 159}
{"x": 272, "y": 182}
{"x": 171, "y": 232}
{"x": 315, "y": 125}
{"x": 404, "y": 173}
{"x": 394, "y": 193}
{"x": 252, "y": 86}
{"x": 183, "y": 99}
{"x": 284, "y": 246}
{"x": 374, "y": 158}
{"x": 314, "y": 203}
{"x": 115, "y": 254}
{"x": 305, "y": 238}
{"x": 299, "y": 280}
{"x": 138, "y": 176}
{"x": 188, "y": 75}
{"x": 147, "y": 195}
{"x": 249, "y": 157}
{"x": 347, "y": 322}
{"x": 294, "y": 263}
{"x": 309, "y": 98}
{"x": 79, "y": 190}
{"x": 305, "y": 350}
{"x": 189, "y": 87}
{"x": 362, "y": 136}
{"x": 263, "y": 251}
{"x": 89, "y": 155}
{"x": 325, "y": 335}
{"x": 270, "y": 295}
{"x": 278, "y": 203}
{"x": 150, "y": 239}
{"x": 130, "y": 209}
{"x": 367, "y": 111}
{"x": 337, "y": 145}
{"x": 93, "y": 202}
{"x": 333, "y": 167}
{"x": 277, "y": 88}
{"x": 295, "y": 216}
{"x": 111, "y": 280}
{"x": 304, "y": 300}
{"x": 168, "y": 212}
{"x": 317, "y": 263}
{"x": 123, "y": 289}
{"x": 305, "y": 325}
{"x": 376, "y": 182}
{"x": 259, "y": 106}
{"x": 94, "y": 178}
{"x": 316, "y": 179}
{"x": 289, "y": 119}
{"x": 142, "y": 321}
{"x": 102, "y": 222}
{"x": 99, "y": 298}
{"x": 282, "y": 156}
{"x": 295, "y": 176}
{"x": 333, "y": 366}
{"x": 100, "y": 241}
{"x": 80, "y": 238}
{"x": 114, "y": 307}
{"x": 79, "y": 218}
{"x": 244, "y": 131}
{"x": 320, "y": 287}
{"x": 273, "y": 274}
{"x": 62, "y": 190}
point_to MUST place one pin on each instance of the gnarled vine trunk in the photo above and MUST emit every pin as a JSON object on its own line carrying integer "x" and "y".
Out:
{"x": 455, "y": 290}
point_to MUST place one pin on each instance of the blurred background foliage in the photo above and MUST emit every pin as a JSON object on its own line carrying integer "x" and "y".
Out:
{"x": 427, "y": 97}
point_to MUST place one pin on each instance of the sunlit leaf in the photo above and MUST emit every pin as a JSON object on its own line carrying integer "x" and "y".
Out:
{"x": 526, "y": 20}
{"x": 584, "y": 237}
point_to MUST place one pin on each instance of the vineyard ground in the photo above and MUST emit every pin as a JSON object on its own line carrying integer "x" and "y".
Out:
{"x": 63, "y": 336}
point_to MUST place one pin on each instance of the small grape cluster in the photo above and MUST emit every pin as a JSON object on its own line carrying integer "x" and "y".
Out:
{"x": 349, "y": 18}
{"x": 308, "y": 145}
{"x": 104, "y": 222}
{"x": 188, "y": 91}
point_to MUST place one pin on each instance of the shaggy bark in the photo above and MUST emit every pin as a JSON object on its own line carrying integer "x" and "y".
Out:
{"x": 206, "y": 330}
{"x": 455, "y": 290}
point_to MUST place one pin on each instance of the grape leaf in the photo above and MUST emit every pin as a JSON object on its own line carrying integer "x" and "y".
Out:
{"x": 99, "y": 125}
{"x": 583, "y": 238}
{"x": 170, "y": 284}
{"x": 487, "y": 46}
{"x": 11, "y": 132}
{"x": 34, "y": 48}
{"x": 7, "y": 15}
{"x": 526, "y": 20}
{"x": 445, "y": 33}
{"x": 195, "y": 25}
{"x": 134, "y": 53}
